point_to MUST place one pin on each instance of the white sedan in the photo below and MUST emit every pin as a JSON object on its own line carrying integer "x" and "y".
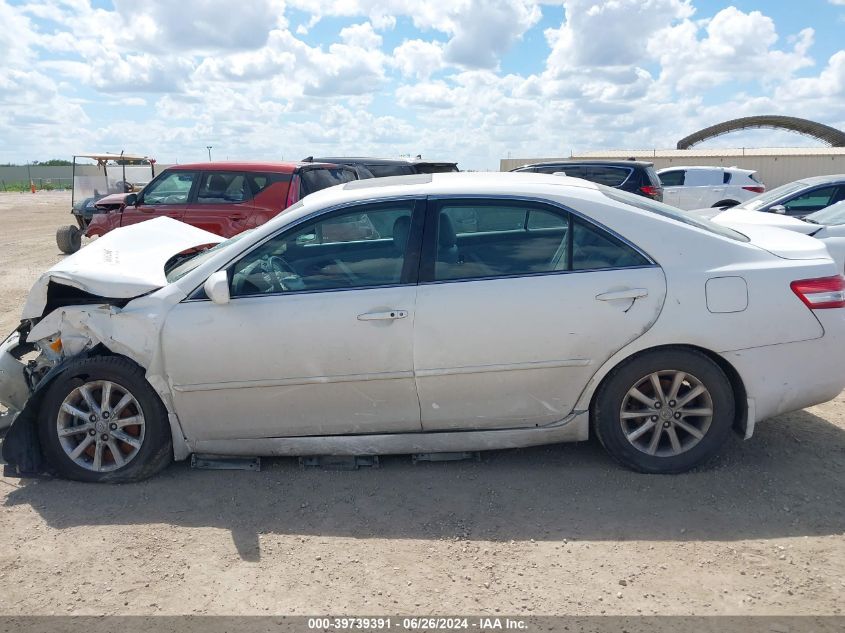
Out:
{"x": 429, "y": 313}
{"x": 827, "y": 225}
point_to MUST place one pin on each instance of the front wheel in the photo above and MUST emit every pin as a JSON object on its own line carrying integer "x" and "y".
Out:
{"x": 665, "y": 411}
{"x": 101, "y": 421}
{"x": 69, "y": 239}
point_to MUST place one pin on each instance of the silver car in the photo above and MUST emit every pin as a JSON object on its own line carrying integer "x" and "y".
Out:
{"x": 428, "y": 313}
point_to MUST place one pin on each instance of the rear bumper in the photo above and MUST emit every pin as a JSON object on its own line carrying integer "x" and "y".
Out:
{"x": 792, "y": 376}
{"x": 14, "y": 388}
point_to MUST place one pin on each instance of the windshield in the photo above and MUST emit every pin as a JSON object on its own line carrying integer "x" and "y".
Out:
{"x": 652, "y": 206}
{"x": 832, "y": 215}
{"x": 765, "y": 199}
{"x": 193, "y": 261}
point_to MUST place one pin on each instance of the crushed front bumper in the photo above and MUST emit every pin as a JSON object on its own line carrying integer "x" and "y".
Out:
{"x": 14, "y": 387}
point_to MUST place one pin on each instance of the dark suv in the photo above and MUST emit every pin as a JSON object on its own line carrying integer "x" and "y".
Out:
{"x": 629, "y": 175}
{"x": 382, "y": 167}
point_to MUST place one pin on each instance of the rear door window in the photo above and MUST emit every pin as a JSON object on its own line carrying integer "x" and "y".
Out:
{"x": 703, "y": 177}
{"x": 223, "y": 188}
{"x": 673, "y": 178}
{"x": 482, "y": 239}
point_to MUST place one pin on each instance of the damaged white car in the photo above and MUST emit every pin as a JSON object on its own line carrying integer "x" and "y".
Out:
{"x": 422, "y": 314}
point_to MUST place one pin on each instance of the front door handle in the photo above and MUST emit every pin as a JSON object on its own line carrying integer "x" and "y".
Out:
{"x": 629, "y": 293}
{"x": 389, "y": 315}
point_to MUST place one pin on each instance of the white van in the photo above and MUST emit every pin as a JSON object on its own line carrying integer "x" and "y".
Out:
{"x": 700, "y": 187}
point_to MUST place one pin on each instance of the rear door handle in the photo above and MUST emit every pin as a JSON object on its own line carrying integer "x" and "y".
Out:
{"x": 630, "y": 293}
{"x": 389, "y": 315}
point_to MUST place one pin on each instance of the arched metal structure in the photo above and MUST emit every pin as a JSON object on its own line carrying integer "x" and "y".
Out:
{"x": 824, "y": 133}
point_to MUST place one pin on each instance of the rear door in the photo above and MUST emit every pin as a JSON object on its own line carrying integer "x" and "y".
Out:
{"x": 702, "y": 188}
{"x": 519, "y": 304}
{"x": 167, "y": 196}
{"x": 222, "y": 204}
{"x": 673, "y": 184}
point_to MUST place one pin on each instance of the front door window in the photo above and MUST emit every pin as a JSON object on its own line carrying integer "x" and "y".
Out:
{"x": 360, "y": 248}
{"x": 174, "y": 188}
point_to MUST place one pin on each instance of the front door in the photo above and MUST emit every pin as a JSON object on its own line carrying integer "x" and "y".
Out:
{"x": 166, "y": 196}
{"x": 519, "y": 304}
{"x": 317, "y": 338}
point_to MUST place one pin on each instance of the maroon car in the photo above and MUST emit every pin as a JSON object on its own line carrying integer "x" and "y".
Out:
{"x": 224, "y": 198}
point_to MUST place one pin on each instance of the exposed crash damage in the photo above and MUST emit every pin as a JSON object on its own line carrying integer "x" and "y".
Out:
{"x": 90, "y": 304}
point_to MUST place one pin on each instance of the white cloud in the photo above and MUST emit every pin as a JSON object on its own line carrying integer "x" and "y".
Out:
{"x": 736, "y": 47}
{"x": 488, "y": 29}
{"x": 610, "y": 33}
{"x": 202, "y": 25}
{"x": 361, "y": 35}
{"x": 418, "y": 58}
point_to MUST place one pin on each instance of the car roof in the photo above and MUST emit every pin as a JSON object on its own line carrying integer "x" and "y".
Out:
{"x": 343, "y": 160}
{"x": 703, "y": 167}
{"x": 574, "y": 161}
{"x": 262, "y": 166}
{"x": 450, "y": 183}
{"x": 818, "y": 180}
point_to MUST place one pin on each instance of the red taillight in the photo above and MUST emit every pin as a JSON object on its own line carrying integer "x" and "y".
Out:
{"x": 650, "y": 191}
{"x": 821, "y": 293}
{"x": 755, "y": 189}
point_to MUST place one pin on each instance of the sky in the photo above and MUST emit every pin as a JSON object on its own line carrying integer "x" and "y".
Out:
{"x": 472, "y": 81}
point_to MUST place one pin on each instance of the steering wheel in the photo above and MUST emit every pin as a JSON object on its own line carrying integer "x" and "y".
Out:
{"x": 281, "y": 269}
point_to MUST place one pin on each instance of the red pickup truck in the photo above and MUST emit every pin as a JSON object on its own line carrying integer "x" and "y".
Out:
{"x": 222, "y": 197}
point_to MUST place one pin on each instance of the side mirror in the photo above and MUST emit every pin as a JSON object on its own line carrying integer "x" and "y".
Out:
{"x": 778, "y": 208}
{"x": 131, "y": 200}
{"x": 217, "y": 287}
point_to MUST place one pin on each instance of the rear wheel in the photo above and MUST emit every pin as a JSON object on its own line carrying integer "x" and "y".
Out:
{"x": 69, "y": 239}
{"x": 102, "y": 421}
{"x": 665, "y": 411}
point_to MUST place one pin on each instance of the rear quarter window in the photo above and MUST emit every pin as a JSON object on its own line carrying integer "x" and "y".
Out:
{"x": 608, "y": 175}
{"x": 314, "y": 180}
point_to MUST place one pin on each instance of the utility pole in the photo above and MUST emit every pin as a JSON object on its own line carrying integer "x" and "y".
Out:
{"x": 208, "y": 147}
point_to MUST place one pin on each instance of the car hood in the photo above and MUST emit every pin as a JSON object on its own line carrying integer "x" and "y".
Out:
{"x": 111, "y": 200}
{"x": 734, "y": 218}
{"x": 123, "y": 264}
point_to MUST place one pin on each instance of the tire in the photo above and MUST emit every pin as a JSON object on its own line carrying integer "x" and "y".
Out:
{"x": 725, "y": 203}
{"x": 144, "y": 445}
{"x": 69, "y": 239}
{"x": 671, "y": 454}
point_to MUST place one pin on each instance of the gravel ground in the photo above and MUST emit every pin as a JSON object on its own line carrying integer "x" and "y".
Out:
{"x": 555, "y": 530}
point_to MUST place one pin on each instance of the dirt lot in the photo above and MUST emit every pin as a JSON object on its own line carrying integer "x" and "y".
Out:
{"x": 559, "y": 530}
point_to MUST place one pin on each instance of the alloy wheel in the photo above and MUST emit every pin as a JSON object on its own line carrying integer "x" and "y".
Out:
{"x": 666, "y": 413}
{"x": 101, "y": 426}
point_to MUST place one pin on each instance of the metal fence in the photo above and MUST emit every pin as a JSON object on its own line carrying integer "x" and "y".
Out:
{"x": 40, "y": 184}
